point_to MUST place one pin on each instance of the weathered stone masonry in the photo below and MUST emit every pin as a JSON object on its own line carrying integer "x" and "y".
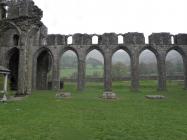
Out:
{"x": 30, "y": 53}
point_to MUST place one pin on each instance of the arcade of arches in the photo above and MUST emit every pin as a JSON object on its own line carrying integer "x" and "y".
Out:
{"x": 34, "y": 56}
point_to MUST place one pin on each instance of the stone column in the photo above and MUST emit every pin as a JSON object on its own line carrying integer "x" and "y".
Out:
{"x": 81, "y": 72}
{"x": 34, "y": 70}
{"x": 56, "y": 73}
{"x": 5, "y": 83}
{"x": 107, "y": 72}
{"x": 185, "y": 72}
{"x": 21, "y": 72}
{"x": 135, "y": 70}
{"x": 1, "y": 56}
{"x": 29, "y": 64}
{"x": 161, "y": 72}
{"x": 5, "y": 87}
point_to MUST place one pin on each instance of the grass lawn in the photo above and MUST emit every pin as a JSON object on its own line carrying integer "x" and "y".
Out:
{"x": 67, "y": 72}
{"x": 86, "y": 117}
{"x": 90, "y": 71}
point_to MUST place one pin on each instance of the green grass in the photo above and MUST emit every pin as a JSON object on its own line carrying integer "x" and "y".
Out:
{"x": 90, "y": 71}
{"x": 86, "y": 117}
{"x": 67, "y": 72}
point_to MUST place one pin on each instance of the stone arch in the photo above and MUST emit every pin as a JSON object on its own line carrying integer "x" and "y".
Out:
{"x": 182, "y": 55}
{"x": 41, "y": 69}
{"x": 62, "y": 54}
{"x": 148, "y": 68}
{"x": 178, "y": 49}
{"x": 152, "y": 49}
{"x": 69, "y": 49}
{"x": 94, "y": 48}
{"x": 11, "y": 34}
{"x": 124, "y": 65}
{"x": 8, "y": 24}
{"x": 13, "y": 65}
{"x": 157, "y": 55}
{"x": 94, "y": 71}
{"x": 124, "y": 48}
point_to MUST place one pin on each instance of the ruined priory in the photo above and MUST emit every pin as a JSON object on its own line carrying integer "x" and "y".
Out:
{"x": 30, "y": 52}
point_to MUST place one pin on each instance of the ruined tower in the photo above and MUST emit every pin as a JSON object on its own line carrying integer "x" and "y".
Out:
{"x": 21, "y": 32}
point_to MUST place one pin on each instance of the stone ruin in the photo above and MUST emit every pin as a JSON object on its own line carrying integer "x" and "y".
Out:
{"x": 30, "y": 52}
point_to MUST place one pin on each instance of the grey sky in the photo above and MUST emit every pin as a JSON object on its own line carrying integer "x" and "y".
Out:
{"x": 120, "y": 16}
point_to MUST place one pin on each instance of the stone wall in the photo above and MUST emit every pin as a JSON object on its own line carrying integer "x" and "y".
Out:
{"x": 22, "y": 29}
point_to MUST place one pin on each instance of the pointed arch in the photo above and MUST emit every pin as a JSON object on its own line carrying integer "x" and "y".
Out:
{"x": 13, "y": 65}
{"x": 8, "y": 24}
{"x": 121, "y": 47}
{"x": 91, "y": 48}
{"x": 69, "y": 66}
{"x": 121, "y": 65}
{"x": 94, "y": 66}
{"x": 175, "y": 60}
{"x": 148, "y": 67}
{"x": 43, "y": 60}
{"x": 152, "y": 49}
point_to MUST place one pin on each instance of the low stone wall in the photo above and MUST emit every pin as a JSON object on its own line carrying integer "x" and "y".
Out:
{"x": 126, "y": 78}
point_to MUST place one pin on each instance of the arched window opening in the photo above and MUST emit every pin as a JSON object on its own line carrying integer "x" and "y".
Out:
{"x": 172, "y": 40}
{"x": 4, "y": 13}
{"x": 44, "y": 71}
{"x": 146, "y": 39}
{"x": 70, "y": 40}
{"x": 95, "y": 39}
{"x": 174, "y": 66}
{"x": 68, "y": 68}
{"x": 94, "y": 67}
{"x": 13, "y": 66}
{"x": 148, "y": 68}
{"x": 120, "y": 39}
{"x": 121, "y": 65}
{"x": 16, "y": 40}
{"x": 121, "y": 70}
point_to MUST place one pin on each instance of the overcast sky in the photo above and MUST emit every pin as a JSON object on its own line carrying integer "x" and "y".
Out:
{"x": 120, "y": 16}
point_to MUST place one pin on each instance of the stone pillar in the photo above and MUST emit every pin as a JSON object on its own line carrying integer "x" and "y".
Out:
{"x": 107, "y": 72}
{"x": 21, "y": 73}
{"x": 5, "y": 83}
{"x": 34, "y": 70}
{"x": 161, "y": 72}
{"x": 29, "y": 64}
{"x": 185, "y": 72}
{"x": 56, "y": 74}
{"x": 81, "y": 72}
{"x": 135, "y": 70}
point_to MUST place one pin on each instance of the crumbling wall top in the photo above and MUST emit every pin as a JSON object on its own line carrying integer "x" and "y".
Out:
{"x": 23, "y": 8}
{"x": 180, "y": 39}
{"x": 160, "y": 38}
{"x": 56, "y": 39}
{"x": 108, "y": 38}
{"x": 134, "y": 38}
{"x": 82, "y": 39}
